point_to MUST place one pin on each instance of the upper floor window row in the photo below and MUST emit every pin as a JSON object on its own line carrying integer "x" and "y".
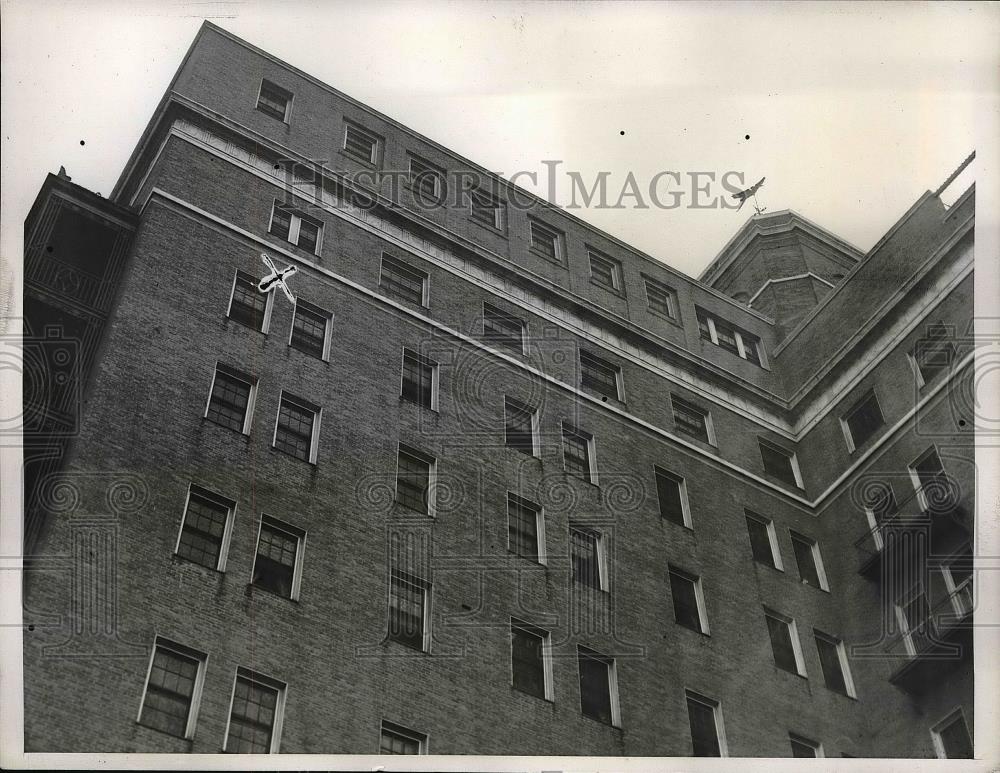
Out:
{"x": 727, "y": 336}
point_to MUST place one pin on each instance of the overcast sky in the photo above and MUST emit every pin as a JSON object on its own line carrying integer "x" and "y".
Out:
{"x": 852, "y": 109}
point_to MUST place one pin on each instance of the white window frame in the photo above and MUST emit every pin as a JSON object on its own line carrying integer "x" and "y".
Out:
{"x": 558, "y": 239}
{"x": 405, "y": 732}
{"x": 546, "y": 637}
{"x": 682, "y": 486}
{"x": 915, "y": 477}
{"x": 425, "y": 285}
{"x": 709, "y": 425}
{"x": 772, "y": 536}
{"x": 591, "y": 450}
{"x": 601, "y": 553}
{"x": 716, "y": 707}
{"x": 432, "y": 471}
{"x": 612, "y": 664}
{"x": 268, "y": 302}
{"x": 539, "y": 524}
{"x": 251, "y": 398}
{"x": 845, "y": 667}
{"x": 499, "y": 211}
{"x": 817, "y": 558}
{"x": 899, "y": 606}
{"x": 616, "y": 270}
{"x": 295, "y": 219}
{"x": 955, "y": 715}
{"x": 535, "y": 444}
{"x": 953, "y": 588}
{"x": 801, "y": 739}
{"x": 288, "y": 103}
{"x": 279, "y": 705}
{"x": 792, "y": 458}
{"x": 426, "y": 586}
{"x": 848, "y": 436}
{"x": 523, "y": 323}
{"x": 350, "y": 126}
{"x": 435, "y": 374}
{"x": 699, "y": 595}
{"x": 619, "y": 376}
{"x": 317, "y": 413}
{"x": 327, "y": 332}
{"x": 227, "y": 532}
{"x": 672, "y": 302}
{"x": 793, "y": 632}
{"x": 199, "y": 680}
{"x": 740, "y": 346}
{"x": 437, "y": 174}
{"x": 300, "y": 549}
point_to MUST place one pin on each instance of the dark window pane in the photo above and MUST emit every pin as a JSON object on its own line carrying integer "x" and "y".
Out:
{"x": 545, "y": 242}
{"x": 576, "y": 454}
{"x": 522, "y": 526}
{"x": 598, "y": 375}
{"x": 781, "y": 644}
{"x": 519, "y": 420}
{"x": 604, "y": 271}
{"x": 864, "y": 420}
{"x": 403, "y": 281}
{"x": 406, "y": 610}
{"x": 359, "y": 144}
{"x": 668, "y": 492}
{"x": 309, "y": 330}
{"x": 204, "y": 527}
{"x": 956, "y": 741}
{"x": 248, "y": 304}
{"x": 751, "y": 346}
{"x": 281, "y": 222}
{"x": 412, "y": 482}
{"x": 777, "y": 463}
{"x": 929, "y": 469}
{"x": 703, "y": 328}
{"x": 273, "y": 100}
{"x": 274, "y": 566}
{"x": 398, "y": 743}
{"x": 295, "y": 428}
{"x": 485, "y": 209}
{"x": 704, "y": 734}
{"x": 805, "y": 558}
{"x": 418, "y": 379}
{"x": 727, "y": 337}
{"x": 829, "y": 658}
{"x": 252, "y": 718}
{"x": 169, "y": 691}
{"x": 760, "y": 542}
{"x": 686, "y": 613}
{"x": 661, "y": 299}
{"x": 690, "y": 419}
{"x": 527, "y": 661}
{"x": 802, "y": 749}
{"x": 595, "y": 687}
{"x": 585, "y": 557}
{"x": 308, "y": 234}
{"x": 228, "y": 403}
{"x": 503, "y": 329}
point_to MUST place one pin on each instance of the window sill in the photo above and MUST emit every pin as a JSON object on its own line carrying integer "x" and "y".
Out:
{"x": 283, "y": 119}
{"x": 517, "y": 691}
{"x": 245, "y": 325}
{"x": 660, "y": 315}
{"x": 310, "y": 355}
{"x": 606, "y": 592}
{"x": 405, "y": 399}
{"x": 177, "y": 558}
{"x": 277, "y": 450}
{"x": 368, "y": 163}
{"x": 544, "y": 256}
{"x": 409, "y": 647}
{"x": 686, "y": 526}
{"x": 519, "y": 452}
{"x": 241, "y": 433}
{"x": 409, "y": 511}
{"x": 601, "y": 722}
{"x": 161, "y": 731}
{"x": 702, "y": 441}
{"x": 405, "y": 301}
{"x": 616, "y": 291}
{"x": 768, "y": 566}
{"x": 703, "y": 634}
{"x": 574, "y": 476}
{"x": 501, "y": 232}
{"x": 285, "y": 244}
{"x": 533, "y": 561}
{"x": 251, "y": 589}
{"x": 814, "y": 587}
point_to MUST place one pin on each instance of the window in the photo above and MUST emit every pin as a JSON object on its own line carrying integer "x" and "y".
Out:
{"x": 525, "y": 528}
{"x": 546, "y": 242}
{"x": 692, "y": 420}
{"x": 420, "y": 377}
{"x": 833, "y": 660}
{"x": 880, "y": 508}
{"x": 530, "y": 660}
{"x": 296, "y": 228}
{"x": 957, "y": 571}
{"x": 311, "y": 330}
{"x": 803, "y": 747}
{"x": 809, "y": 561}
{"x": 598, "y": 686}
{"x": 578, "y": 458}
{"x": 403, "y": 281}
{"x": 408, "y": 607}
{"x": 934, "y": 353}
{"x": 274, "y": 100}
{"x": 206, "y": 528}
{"x": 255, "y": 714}
{"x": 587, "y": 556}
{"x": 660, "y": 298}
{"x": 605, "y": 271}
{"x": 485, "y": 209}
{"x": 914, "y": 619}
{"x": 671, "y": 493}
{"x": 784, "y": 643}
{"x": 928, "y": 475}
{"x": 296, "y": 431}
{"x": 763, "y": 541}
{"x": 862, "y": 421}
{"x": 779, "y": 463}
{"x": 426, "y": 181}
{"x": 520, "y": 427}
{"x": 230, "y": 403}
{"x": 729, "y": 337}
{"x": 277, "y": 566}
{"x": 689, "y": 600}
{"x": 414, "y": 480}
{"x": 395, "y": 739}
{"x": 951, "y": 737}
{"x": 599, "y": 375}
{"x": 173, "y": 689}
{"x": 705, "y": 717}
{"x": 503, "y": 329}
{"x": 247, "y": 305}
{"x": 360, "y": 144}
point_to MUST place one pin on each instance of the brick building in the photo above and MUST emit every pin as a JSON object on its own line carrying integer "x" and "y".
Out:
{"x": 496, "y": 482}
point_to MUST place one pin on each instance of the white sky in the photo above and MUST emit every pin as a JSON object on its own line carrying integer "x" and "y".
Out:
{"x": 853, "y": 109}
